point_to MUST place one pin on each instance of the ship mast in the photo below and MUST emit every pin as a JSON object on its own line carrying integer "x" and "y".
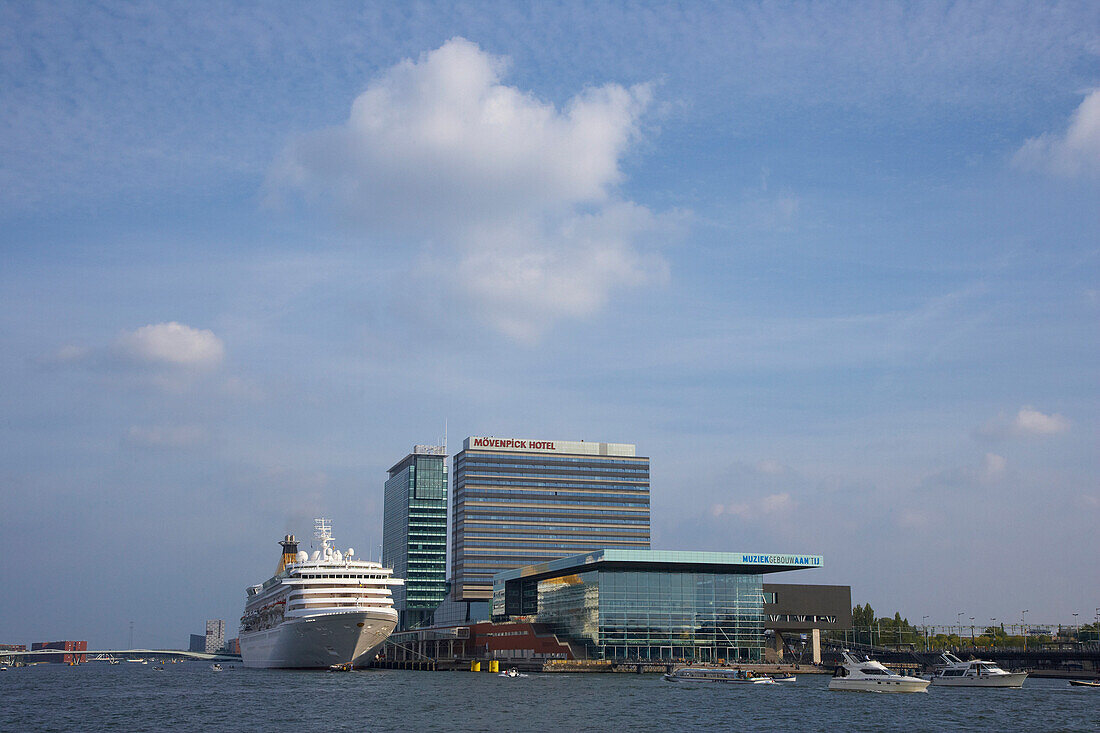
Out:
{"x": 322, "y": 531}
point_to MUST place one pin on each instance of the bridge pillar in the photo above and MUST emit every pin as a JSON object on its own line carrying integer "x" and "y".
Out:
{"x": 815, "y": 635}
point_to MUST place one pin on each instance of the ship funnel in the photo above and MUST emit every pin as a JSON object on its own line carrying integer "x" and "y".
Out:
{"x": 290, "y": 552}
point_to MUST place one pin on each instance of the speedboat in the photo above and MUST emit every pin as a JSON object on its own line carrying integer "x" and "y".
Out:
{"x": 513, "y": 672}
{"x": 718, "y": 674}
{"x": 216, "y": 667}
{"x": 1084, "y": 683}
{"x": 783, "y": 677}
{"x": 974, "y": 673}
{"x": 345, "y": 667}
{"x": 867, "y": 675}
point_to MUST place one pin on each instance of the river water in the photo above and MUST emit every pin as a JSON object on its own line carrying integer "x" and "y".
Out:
{"x": 192, "y": 697}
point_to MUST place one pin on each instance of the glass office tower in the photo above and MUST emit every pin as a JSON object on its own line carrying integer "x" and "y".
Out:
{"x": 414, "y": 532}
{"x": 519, "y": 502}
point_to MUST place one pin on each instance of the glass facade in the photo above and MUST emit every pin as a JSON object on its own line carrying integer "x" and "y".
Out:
{"x": 648, "y": 604}
{"x": 618, "y": 614}
{"x": 519, "y": 507}
{"x": 414, "y": 533}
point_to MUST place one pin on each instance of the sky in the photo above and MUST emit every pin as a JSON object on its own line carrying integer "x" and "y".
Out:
{"x": 834, "y": 267}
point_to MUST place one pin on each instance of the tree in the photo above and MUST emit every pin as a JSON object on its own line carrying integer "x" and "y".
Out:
{"x": 863, "y": 616}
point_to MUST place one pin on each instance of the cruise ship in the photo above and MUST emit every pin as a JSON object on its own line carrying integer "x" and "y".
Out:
{"x": 320, "y": 609}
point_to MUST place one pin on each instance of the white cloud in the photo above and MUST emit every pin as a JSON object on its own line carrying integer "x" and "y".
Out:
{"x": 771, "y": 468}
{"x": 166, "y": 436}
{"x": 993, "y": 466}
{"x": 1075, "y": 153}
{"x": 1033, "y": 422}
{"x": 171, "y": 344}
{"x": 911, "y": 518}
{"x": 517, "y": 197}
{"x": 765, "y": 506}
{"x": 1025, "y": 423}
{"x": 67, "y": 355}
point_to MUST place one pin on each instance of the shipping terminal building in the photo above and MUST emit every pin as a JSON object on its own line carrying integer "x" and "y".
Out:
{"x": 551, "y": 558}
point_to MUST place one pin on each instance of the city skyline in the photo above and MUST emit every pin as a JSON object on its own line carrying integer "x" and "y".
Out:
{"x": 832, "y": 268}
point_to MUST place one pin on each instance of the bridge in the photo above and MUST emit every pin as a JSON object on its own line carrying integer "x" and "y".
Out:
{"x": 101, "y": 655}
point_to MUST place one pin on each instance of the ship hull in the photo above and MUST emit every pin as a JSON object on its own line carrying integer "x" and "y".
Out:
{"x": 1009, "y": 679}
{"x": 895, "y": 684}
{"x": 319, "y": 641}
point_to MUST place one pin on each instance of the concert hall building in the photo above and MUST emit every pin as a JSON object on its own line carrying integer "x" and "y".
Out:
{"x": 650, "y": 604}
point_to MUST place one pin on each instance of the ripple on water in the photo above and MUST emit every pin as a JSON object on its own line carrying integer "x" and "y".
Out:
{"x": 186, "y": 697}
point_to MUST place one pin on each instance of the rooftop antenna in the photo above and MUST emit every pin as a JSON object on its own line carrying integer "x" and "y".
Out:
{"x": 444, "y": 436}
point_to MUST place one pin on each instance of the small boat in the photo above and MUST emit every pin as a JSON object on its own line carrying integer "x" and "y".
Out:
{"x": 783, "y": 677}
{"x": 1084, "y": 683}
{"x": 216, "y": 667}
{"x": 345, "y": 667}
{"x": 867, "y": 675}
{"x": 974, "y": 673}
{"x": 114, "y": 661}
{"x": 718, "y": 674}
{"x": 513, "y": 672}
{"x": 158, "y": 669}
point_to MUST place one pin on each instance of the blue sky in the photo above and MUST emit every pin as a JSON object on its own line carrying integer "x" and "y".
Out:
{"x": 833, "y": 267}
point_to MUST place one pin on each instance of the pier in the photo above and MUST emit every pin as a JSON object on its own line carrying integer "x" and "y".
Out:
{"x": 103, "y": 655}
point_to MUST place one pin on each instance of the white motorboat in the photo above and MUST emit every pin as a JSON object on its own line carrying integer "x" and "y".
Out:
{"x": 718, "y": 674}
{"x": 513, "y": 672}
{"x": 974, "y": 673}
{"x": 867, "y": 675}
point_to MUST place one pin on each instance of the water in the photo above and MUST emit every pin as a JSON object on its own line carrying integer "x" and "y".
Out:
{"x": 191, "y": 697}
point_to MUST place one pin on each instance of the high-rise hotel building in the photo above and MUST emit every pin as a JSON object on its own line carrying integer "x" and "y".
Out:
{"x": 519, "y": 502}
{"x": 414, "y": 532}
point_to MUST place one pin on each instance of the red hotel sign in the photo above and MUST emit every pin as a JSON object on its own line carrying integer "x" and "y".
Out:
{"x": 512, "y": 443}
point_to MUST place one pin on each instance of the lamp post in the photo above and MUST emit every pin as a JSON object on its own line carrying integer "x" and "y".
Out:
{"x": 924, "y": 625}
{"x": 993, "y": 632}
{"x": 1023, "y": 622}
{"x": 959, "y": 621}
{"x": 1076, "y": 630}
{"x": 972, "y": 632}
